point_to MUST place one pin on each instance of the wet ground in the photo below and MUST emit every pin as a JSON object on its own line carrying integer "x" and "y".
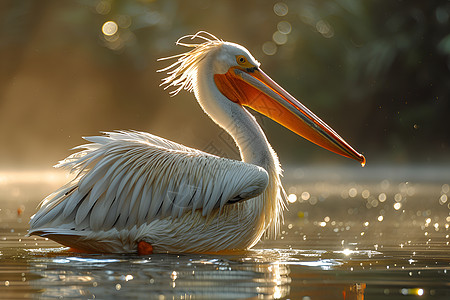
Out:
{"x": 379, "y": 233}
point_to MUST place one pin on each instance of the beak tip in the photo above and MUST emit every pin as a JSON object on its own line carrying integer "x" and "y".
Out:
{"x": 362, "y": 159}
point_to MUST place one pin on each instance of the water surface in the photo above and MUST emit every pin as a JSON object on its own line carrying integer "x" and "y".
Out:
{"x": 346, "y": 236}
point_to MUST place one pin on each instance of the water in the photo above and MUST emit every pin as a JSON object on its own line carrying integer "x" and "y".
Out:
{"x": 349, "y": 234}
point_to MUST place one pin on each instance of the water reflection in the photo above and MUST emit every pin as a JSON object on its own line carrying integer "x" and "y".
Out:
{"x": 161, "y": 276}
{"x": 258, "y": 274}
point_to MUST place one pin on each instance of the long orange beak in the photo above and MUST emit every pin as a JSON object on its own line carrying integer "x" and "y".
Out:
{"x": 253, "y": 88}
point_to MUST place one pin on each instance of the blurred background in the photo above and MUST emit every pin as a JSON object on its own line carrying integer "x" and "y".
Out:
{"x": 377, "y": 71}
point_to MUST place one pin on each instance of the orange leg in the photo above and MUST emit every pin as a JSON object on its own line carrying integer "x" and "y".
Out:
{"x": 144, "y": 248}
{"x": 75, "y": 250}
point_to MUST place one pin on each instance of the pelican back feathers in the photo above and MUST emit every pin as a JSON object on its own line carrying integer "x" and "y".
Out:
{"x": 125, "y": 179}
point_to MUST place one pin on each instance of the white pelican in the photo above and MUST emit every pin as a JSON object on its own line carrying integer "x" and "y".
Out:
{"x": 136, "y": 192}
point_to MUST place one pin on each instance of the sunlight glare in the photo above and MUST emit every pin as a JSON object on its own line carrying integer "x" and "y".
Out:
{"x": 128, "y": 277}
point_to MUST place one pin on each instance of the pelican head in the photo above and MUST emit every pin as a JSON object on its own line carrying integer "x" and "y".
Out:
{"x": 234, "y": 79}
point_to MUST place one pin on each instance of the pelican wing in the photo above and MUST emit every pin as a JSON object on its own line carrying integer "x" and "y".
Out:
{"x": 130, "y": 178}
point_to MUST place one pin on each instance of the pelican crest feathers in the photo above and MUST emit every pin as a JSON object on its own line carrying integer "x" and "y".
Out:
{"x": 182, "y": 72}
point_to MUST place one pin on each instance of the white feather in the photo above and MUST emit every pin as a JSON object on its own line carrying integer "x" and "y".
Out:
{"x": 132, "y": 186}
{"x": 176, "y": 175}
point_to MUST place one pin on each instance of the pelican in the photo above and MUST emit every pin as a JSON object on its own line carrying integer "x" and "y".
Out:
{"x": 134, "y": 192}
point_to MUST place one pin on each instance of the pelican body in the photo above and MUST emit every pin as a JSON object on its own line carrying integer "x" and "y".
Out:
{"x": 133, "y": 188}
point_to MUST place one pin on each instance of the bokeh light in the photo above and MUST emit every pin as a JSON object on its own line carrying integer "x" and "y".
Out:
{"x": 324, "y": 28}
{"x": 280, "y": 9}
{"x": 269, "y": 48}
{"x": 279, "y": 38}
{"x": 292, "y": 198}
{"x": 110, "y": 28}
{"x": 284, "y": 27}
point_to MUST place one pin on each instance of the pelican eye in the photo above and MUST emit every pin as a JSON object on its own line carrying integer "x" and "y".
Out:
{"x": 241, "y": 59}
